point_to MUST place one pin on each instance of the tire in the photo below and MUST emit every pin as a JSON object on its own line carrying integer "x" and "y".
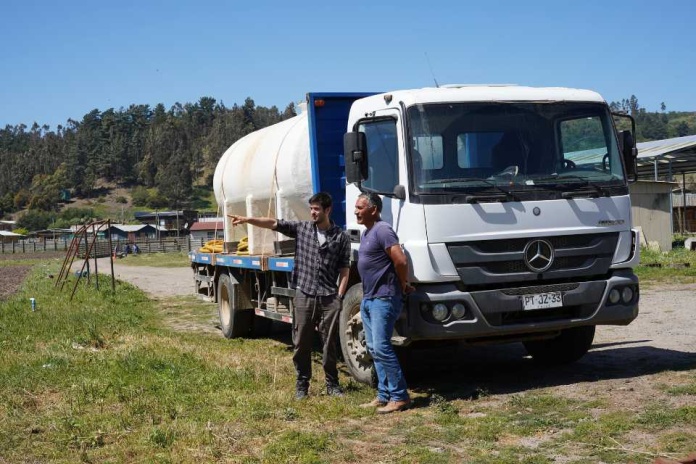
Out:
{"x": 234, "y": 322}
{"x": 566, "y": 348}
{"x": 352, "y": 338}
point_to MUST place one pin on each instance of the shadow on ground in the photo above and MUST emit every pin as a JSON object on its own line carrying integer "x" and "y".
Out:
{"x": 465, "y": 372}
{"x": 460, "y": 371}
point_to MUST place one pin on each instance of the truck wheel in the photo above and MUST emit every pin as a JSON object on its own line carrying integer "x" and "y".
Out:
{"x": 234, "y": 322}
{"x": 353, "y": 345}
{"x": 568, "y": 347}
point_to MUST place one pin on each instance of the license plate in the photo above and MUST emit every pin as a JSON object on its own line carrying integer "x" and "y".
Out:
{"x": 542, "y": 300}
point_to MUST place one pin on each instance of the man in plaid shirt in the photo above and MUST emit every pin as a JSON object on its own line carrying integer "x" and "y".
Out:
{"x": 322, "y": 258}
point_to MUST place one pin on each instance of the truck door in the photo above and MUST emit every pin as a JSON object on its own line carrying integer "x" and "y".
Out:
{"x": 383, "y": 135}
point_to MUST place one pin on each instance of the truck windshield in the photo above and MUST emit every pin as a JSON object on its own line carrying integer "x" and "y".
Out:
{"x": 522, "y": 146}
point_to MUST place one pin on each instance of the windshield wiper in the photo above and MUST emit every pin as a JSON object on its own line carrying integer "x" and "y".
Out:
{"x": 504, "y": 194}
{"x": 571, "y": 192}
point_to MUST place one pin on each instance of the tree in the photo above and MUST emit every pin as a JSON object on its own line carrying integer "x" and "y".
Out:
{"x": 683, "y": 129}
{"x": 35, "y": 220}
{"x": 175, "y": 181}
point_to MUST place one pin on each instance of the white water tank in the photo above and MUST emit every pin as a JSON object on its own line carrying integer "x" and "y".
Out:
{"x": 266, "y": 173}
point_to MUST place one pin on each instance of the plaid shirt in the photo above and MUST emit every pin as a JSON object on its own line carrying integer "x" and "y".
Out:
{"x": 316, "y": 267}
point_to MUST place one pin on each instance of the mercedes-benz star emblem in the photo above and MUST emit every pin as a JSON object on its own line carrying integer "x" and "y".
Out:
{"x": 538, "y": 255}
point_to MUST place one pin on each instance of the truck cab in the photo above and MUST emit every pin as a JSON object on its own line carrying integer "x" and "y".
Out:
{"x": 512, "y": 206}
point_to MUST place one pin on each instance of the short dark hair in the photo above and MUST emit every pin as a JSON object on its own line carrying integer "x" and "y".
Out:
{"x": 372, "y": 199}
{"x": 323, "y": 198}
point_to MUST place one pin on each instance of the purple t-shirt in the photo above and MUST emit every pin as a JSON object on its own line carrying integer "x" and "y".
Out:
{"x": 374, "y": 265}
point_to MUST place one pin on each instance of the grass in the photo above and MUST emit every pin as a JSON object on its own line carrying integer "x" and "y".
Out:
{"x": 121, "y": 378}
{"x": 676, "y": 266}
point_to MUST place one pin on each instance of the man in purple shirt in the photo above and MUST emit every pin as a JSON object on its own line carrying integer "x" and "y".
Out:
{"x": 383, "y": 268}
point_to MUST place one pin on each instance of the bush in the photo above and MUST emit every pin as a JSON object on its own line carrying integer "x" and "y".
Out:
{"x": 34, "y": 220}
{"x": 77, "y": 215}
{"x": 156, "y": 199}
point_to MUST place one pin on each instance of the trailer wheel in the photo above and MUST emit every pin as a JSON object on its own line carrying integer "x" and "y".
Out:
{"x": 568, "y": 347}
{"x": 234, "y": 322}
{"x": 352, "y": 337}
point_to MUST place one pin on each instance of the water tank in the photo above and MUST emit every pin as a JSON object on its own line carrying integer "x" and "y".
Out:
{"x": 266, "y": 173}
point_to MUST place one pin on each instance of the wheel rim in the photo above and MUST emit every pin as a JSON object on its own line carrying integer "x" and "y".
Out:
{"x": 356, "y": 344}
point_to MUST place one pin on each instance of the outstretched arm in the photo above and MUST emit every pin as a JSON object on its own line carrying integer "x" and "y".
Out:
{"x": 263, "y": 222}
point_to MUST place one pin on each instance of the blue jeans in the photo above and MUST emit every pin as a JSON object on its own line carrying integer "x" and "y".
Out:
{"x": 378, "y": 317}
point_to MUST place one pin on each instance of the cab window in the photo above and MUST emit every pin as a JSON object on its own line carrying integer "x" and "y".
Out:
{"x": 382, "y": 154}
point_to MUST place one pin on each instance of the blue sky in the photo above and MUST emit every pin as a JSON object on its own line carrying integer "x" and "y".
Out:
{"x": 60, "y": 60}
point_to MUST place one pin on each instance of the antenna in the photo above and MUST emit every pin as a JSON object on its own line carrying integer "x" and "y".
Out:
{"x": 431, "y": 70}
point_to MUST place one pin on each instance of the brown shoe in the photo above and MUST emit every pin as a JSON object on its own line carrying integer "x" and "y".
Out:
{"x": 376, "y": 403}
{"x": 394, "y": 406}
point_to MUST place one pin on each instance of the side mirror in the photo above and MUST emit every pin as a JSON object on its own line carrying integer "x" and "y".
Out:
{"x": 399, "y": 192}
{"x": 627, "y": 144}
{"x": 629, "y": 151}
{"x": 355, "y": 155}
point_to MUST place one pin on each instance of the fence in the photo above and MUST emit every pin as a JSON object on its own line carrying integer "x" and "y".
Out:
{"x": 162, "y": 245}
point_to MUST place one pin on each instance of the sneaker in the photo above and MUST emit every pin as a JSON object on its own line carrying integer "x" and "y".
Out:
{"x": 376, "y": 403}
{"x": 394, "y": 406}
{"x": 301, "y": 390}
{"x": 301, "y": 393}
{"x": 334, "y": 390}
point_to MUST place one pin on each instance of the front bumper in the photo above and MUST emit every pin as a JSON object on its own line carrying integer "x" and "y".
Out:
{"x": 498, "y": 314}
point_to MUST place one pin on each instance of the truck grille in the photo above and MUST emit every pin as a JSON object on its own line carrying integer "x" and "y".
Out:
{"x": 491, "y": 262}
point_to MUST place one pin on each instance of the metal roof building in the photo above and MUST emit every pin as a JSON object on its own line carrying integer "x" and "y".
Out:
{"x": 663, "y": 159}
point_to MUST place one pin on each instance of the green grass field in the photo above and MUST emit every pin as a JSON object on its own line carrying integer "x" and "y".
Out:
{"x": 121, "y": 378}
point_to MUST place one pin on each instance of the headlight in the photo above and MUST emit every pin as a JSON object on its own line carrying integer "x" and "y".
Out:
{"x": 458, "y": 311}
{"x": 627, "y": 294}
{"x": 614, "y": 296}
{"x": 440, "y": 312}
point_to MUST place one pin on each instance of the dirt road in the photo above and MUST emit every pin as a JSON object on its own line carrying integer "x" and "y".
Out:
{"x": 158, "y": 282}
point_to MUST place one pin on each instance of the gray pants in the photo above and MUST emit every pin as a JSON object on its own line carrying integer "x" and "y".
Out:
{"x": 311, "y": 312}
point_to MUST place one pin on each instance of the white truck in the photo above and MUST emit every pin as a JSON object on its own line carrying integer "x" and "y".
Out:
{"x": 511, "y": 204}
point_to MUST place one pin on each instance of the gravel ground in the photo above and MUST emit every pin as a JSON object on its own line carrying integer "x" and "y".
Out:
{"x": 158, "y": 282}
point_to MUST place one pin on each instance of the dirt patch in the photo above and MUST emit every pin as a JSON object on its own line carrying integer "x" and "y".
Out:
{"x": 11, "y": 278}
{"x": 32, "y": 256}
{"x": 107, "y": 195}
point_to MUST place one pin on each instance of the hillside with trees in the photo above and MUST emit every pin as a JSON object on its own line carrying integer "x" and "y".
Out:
{"x": 164, "y": 158}
{"x": 161, "y": 154}
{"x": 656, "y": 125}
